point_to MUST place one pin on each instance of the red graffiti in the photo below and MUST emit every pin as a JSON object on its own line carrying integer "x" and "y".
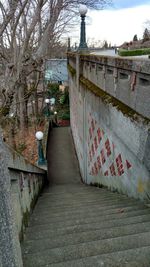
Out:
{"x": 93, "y": 152}
{"x": 95, "y": 167}
{"x": 133, "y": 81}
{"x": 99, "y": 162}
{"x": 95, "y": 143}
{"x": 92, "y": 125}
{"x": 107, "y": 146}
{"x": 99, "y": 135}
{"x": 119, "y": 165}
{"x": 90, "y": 132}
{"x": 106, "y": 173}
{"x": 128, "y": 164}
{"x": 112, "y": 169}
{"x": 103, "y": 156}
{"x": 90, "y": 155}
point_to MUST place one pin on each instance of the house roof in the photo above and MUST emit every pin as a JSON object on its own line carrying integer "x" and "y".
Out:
{"x": 56, "y": 70}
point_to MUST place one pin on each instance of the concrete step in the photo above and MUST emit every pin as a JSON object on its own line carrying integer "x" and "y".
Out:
{"x": 87, "y": 249}
{"x": 32, "y": 246}
{"x": 89, "y": 210}
{"x": 92, "y": 216}
{"x": 80, "y": 203}
{"x": 75, "y": 188}
{"x": 84, "y": 206}
{"x": 74, "y": 225}
{"x": 138, "y": 257}
{"x": 82, "y": 194}
{"x": 44, "y": 231}
{"x": 47, "y": 223}
{"x": 78, "y": 200}
{"x": 99, "y": 205}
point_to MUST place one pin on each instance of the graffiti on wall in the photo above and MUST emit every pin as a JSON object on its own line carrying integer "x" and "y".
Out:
{"x": 104, "y": 158}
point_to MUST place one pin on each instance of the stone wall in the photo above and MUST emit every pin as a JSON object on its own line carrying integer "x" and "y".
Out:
{"x": 110, "y": 128}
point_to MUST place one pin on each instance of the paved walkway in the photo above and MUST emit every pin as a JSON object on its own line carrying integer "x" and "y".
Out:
{"x": 74, "y": 225}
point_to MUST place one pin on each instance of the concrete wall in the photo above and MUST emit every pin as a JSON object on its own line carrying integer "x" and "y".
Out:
{"x": 10, "y": 252}
{"x": 110, "y": 122}
{"x": 26, "y": 184}
{"x": 25, "y": 189}
{"x": 124, "y": 78}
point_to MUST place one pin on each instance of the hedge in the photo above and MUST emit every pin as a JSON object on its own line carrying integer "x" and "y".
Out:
{"x": 137, "y": 52}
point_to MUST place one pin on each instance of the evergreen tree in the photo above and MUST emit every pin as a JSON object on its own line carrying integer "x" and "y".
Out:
{"x": 105, "y": 44}
{"x": 146, "y": 35}
{"x": 135, "y": 38}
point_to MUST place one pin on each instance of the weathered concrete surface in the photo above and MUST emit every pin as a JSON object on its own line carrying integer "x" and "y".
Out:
{"x": 20, "y": 185}
{"x": 10, "y": 253}
{"x": 61, "y": 152}
{"x": 18, "y": 162}
{"x": 127, "y": 79}
{"x": 25, "y": 189}
{"x": 27, "y": 180}
{"x": 112, "y": 140}
{"x": 78, "y": 225}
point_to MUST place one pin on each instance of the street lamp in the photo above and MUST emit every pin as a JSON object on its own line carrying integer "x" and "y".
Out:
{"x": 83, "y": 45}
{"x": 55, "y": 116}
{"x": 41, "y": 159}
{"x": 68, "y": 48}
{"x": 12, "y": 130}
{"x": 47, "y": 101}
{"x": 11, "y": 115}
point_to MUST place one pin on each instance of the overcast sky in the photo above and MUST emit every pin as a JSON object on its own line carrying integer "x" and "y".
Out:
{"x": 120, "y": 22}
{"x": 129, "y": 3}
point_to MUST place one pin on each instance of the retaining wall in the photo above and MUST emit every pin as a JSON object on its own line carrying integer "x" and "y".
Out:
{"x": 110, "y": 122}
{"x": 27, "y": 182}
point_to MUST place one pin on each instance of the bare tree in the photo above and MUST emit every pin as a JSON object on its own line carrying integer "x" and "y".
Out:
{"x": 29, "y": 29}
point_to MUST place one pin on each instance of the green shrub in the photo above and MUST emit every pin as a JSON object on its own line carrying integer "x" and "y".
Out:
{"x": 53, "y": 89}
{"x": 64, "y": 115}
{"x": 64, "y": 98}
{"x": 137, "y": 52}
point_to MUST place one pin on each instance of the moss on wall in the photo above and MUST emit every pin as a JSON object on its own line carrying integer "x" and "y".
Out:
{"x": 125, "y": 63}
{"x": 26, "y": 214}
{"x": 71, "y": 70}
{"x": 109, "y": 99}
{"x": 25, "y": 220}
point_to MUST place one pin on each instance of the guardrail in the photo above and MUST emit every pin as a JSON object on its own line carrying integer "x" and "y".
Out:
{"x": 127, "y": 79}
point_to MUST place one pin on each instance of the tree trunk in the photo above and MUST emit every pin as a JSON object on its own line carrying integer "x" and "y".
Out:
{"x": 22, "y": 109}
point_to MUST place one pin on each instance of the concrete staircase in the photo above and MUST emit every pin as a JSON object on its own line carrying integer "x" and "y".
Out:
{"x": 75, "y": 225}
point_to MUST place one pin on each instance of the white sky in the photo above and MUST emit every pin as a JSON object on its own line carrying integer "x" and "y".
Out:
{"x": 117, "y": 26}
